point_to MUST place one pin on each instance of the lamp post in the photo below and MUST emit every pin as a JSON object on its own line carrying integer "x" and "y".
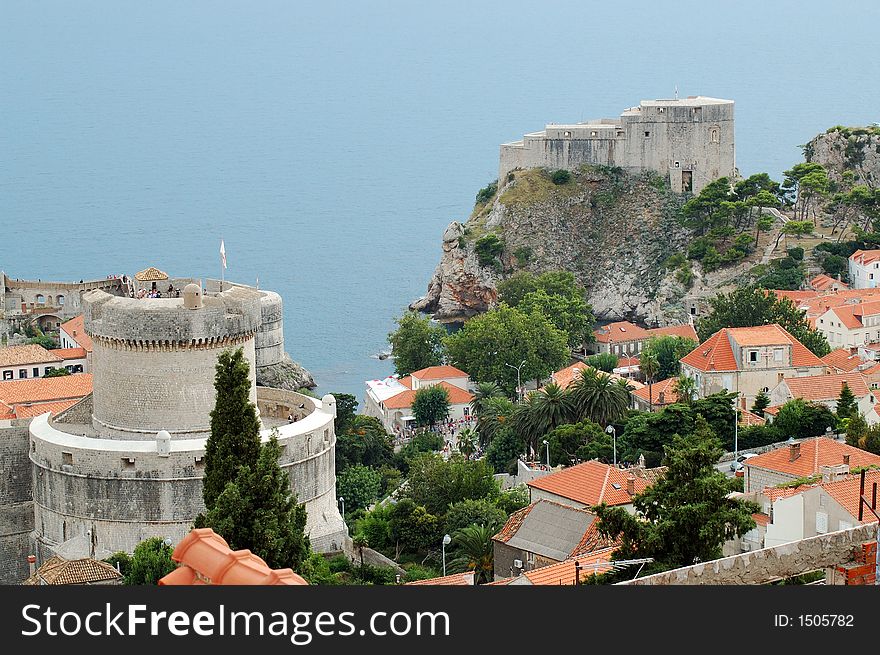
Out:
{"x": 446, "y": 541}
{"x": 547, "y": 447}
{"x": 610, "y": 430}
{"x": 735, "y": 428}
{"x": 518, "y": 383}
{"x": 342, "y": 500}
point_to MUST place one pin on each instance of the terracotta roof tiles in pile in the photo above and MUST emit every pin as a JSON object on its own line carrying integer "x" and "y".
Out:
{"x": 594, "y": 483}
{"x": 814, "y": 453}
{"x": 75, "y": 327}
{"x": 205, "y": 558}
{"x": 842, "y": 360}
{"x": 27, "y": 354}
{"x": 405, "y": 399}
{"x": 439, "y": 373}
{"x": 826, "y": 387}
{"x": 33, "y": 390}
{"x": 454, "y": 580}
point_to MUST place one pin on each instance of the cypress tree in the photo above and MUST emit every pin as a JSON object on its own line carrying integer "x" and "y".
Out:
{"x": 846, "y": 402}
{"x": 235, "y": 429}
{"x": 762, "y": 401}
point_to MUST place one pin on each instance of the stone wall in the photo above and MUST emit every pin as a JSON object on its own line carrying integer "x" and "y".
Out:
{"x": 768, "y": 564}
{"x": 16, "y": 503}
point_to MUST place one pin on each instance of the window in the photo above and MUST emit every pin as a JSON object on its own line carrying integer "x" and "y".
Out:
{"x": 199, "y": 461}
{"x": 467, "y": 410}
{"x": 46, "y": 370}
{"x": 647, "y": 134}
{"x": 41, "y": 299}
{"x": 714, "y": 135}
{"x": 844, "y": 525}
{"x": 60, "y": 301}
{"x": 566, "y": 133}
{"x": 594, "y": 133}
{"x": 128, "y": 463}
{"x": 620, "y": 133}
{"x": 660, "y": 110}
{"x": 67, "y": 458}
{"x": 22, "y": 373}
{"x": 36, "y": 372}
{"x": 821, "y": 522}
{"x": 753, "y": 356}
{"x": 7, "y": 375}
{"x": 777, "y": 354}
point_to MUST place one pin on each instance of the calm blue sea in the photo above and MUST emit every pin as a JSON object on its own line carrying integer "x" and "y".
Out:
{"x": 329, "y": 143}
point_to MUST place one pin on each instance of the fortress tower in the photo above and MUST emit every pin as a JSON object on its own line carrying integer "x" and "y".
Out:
{"x": 127, "y": 462}
{"x": 688, "y": 141}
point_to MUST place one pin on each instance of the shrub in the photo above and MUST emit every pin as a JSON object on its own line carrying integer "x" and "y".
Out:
{"x": 486, "y": 194}
{"x": 711, "y": 260}
{"x": 523, "y": 255}
{"x": 796, "y": 253}
{"x": 560, "y": 177}
{"x": 698, "y": 248}
{"x": 488, "y": 249}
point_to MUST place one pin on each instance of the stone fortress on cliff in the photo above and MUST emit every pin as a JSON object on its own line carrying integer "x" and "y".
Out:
{"x": 126, "y": 463}
{"x": 688, "y": 141}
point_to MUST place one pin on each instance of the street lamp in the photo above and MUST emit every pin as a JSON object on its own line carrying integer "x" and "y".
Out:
{"x": 446, "y": 541}
{"x": 735, "y": 428}
{"x": 342, "y": 500}
{"x": 610, "y": 430}
{"x": 547, "y": 446}
{"x": 518, "y": 383}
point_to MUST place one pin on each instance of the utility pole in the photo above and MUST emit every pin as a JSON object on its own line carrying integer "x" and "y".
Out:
{"x": 863, "y": 502}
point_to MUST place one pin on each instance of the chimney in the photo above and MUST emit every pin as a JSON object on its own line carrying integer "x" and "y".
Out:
{"x": 833, "y": 473}
{"x": 661, "y": 398}
{"x": 74, "y": 333}
{"x": 794, "y": 451}
{"x": 32, "y": 563}
{"x": 631, "y": 485}
{"x": 846, "y": 459}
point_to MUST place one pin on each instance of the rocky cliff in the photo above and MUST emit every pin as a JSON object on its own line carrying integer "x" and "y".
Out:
{"x": 614, "y": 231}
{"x": 855, "y": 149}
{"x": 286, "y": 374}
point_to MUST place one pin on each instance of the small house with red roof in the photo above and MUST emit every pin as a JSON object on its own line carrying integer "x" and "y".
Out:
{"x": 824, "y": 390}
{"x": 390, "y": 400}
{"x": 748, "y": 360}
{"x": 864, "y": 269}
{"x": 851, "y": 324}
{"x": 623, "y": 338}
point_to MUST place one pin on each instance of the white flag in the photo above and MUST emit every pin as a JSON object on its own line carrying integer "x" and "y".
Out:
{"x": 222, "y": 253}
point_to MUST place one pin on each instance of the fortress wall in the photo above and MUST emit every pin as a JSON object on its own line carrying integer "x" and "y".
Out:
{"x": 16, "y": 503}
{"x": 270, "y": 337}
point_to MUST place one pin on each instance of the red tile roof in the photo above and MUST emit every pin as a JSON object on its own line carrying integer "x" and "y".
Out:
{"x": 210, "y": 561}
{"x": 826, "y": 387}
{"x": 716, "y": 353}
{"x": 814, "y": 453}
{"x": 563, "y": 378}
{"x": 34, "y": 390}
{"x": 454, "y": 580}
{"x": 620, "y": 331}
{"x": 846, "y": 492}
{"x": 406, "y": 381}
{"x": 513, "y": 524}
{"x": 27, "y": 355}
{"x": 75, "y": 327}
{"x": 686, "y": 331}
{"x": 748, "y": 418}
{"x": 594, "y": 483}
{"x": 439, "y": 373}
{"x": 761, "y": 519}
{"x": 69, "y": 353}
{"x": 824, "y": 282}
{"x": 843, "y": 360}
{"x": 59, "y": 571}
{"x": 865, "y": 256}
{"x": 36, "y": 409}
{"x": 593, "y": 541}
{"x": 666, "y": 387}
{"x": 563, "y": 573}
{"x": 404, "y": 399}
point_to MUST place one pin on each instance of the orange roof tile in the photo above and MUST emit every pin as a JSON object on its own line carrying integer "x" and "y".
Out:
{"x": 513, "y": 524}
{"x": 563, "y": 573}
{"x": 75, "y": 327}
{"x": 620, "y": 331}
{"x": 454, "y": 580}
{"x": 69, "y": 353}
{"x": 814, "y": 453}
{"x": 212, "y": 562}
{"x": 26, "y": 355}
{"x": 593, "y": 483}
{"x": 564, "y": 377}
{"x": 846, "y": 492}
{"x": 406, "y": 381}
{"x": 716, "y": 353}
{"x": 151, "y": 274}
{"x": 773, "y": 410}
{"x": 36, "y": 409}
{"x": 405, "y": 399}
{"x": 593, "y": 541}
{"x": 666, "y": 387}
{"x": 843, "y": 360}
{"x": 748, "y": 418}
{"x": 823, "y": 282}
{"x": 439, "y": 372}
{"x": 865, "y": 256}
{"x": 686, "y": 331}
{"x": 33, "y": 390}
{"x": 826, "y": 387}
{"x": 59, "y": 571}
{"x": 761, "y": 519}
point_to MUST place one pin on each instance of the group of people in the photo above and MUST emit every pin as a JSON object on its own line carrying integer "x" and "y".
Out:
{"x": 172, "y": 292}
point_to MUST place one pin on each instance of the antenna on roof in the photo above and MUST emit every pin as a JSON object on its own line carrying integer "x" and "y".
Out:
{"x": 676, "y": 91}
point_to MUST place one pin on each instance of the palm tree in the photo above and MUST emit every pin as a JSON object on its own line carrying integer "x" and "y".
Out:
{"x": 551, "y": 407}
{"x": 650, "y": 366}
{"x": 467, "y": 442}
{"x": 483, "y": 392}
{"x": 496, "y": 413}
{"x": 685, "y": 389}
{"x": 523, "y": 422}
{"x": 599, "y": 397}
{"x": 476, "y": 552}
{"x": 360, "y": 542}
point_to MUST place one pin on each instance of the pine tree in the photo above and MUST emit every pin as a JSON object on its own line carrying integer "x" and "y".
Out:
{"x": 235, "y": 429}
{"x": 846, "y": 403}
{"x": 762, "y": 401}
{"x": 257, "y": 511}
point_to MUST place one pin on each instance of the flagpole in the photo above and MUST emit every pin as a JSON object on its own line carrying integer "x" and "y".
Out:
{"x": 222, "y": 267}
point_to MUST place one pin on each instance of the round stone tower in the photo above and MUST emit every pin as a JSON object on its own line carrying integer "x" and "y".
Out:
{"x": 154, "y": 359}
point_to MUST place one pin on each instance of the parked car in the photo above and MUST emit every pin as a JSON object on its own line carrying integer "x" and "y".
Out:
{"x": 737, "y": 464}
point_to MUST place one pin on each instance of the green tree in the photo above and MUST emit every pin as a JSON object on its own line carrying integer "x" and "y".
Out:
{"x": 496, "y": 413}
{"x": 856, "y": 430}
{"x": 359, "y": 485}
{"x": 546, "y": 409}
{"x": 417, "y": 343}
{"x": 413, "y": 529}
{"x": 436, "y": 483}
{"x": 488, "y": 192}
{"x": 685, "y": 389}
{"x": 55, "y": 372}
{"x": 346, "y": 406}
{"x": 490, "y": 347}
{"x": 360, "y": 542}
{"x": 763, "y": 224}
{"x": 668, "y": 350}
{"x": 431, "y": 405}
{"x": 258, "y": 511}
{"x": 235, "y": 428}
{"x": 121, "y": 561}
{"x": 570, "y": 314}
{"x": 847, "y": 406}
{"x": 482, "y": 394}
{"x": 504, "y": 450}
{"x": 762, "y": 402}
{"x": 475, "y": 552}
{"x": 467, "y": 442}
{"x": 750, "y": 306}
{"x": 43, "y": 340}
{"x": 512, "y": 290}
{"x": 513, "y": 499}
{"x": 489, "y": 248}
{"x": 687, "y": 515}
{"x": 150, "y": 562}
{"x": 605, "y": 362}
{"x": 474, "y": 512}
{"x": 795, "y": 192}
{"x": 705, "y": 210}
{"x": 649, "y": 365}
{"x": 599, "y": 397}
{"x": 579, "y": 442}
{"x": 800, "y": 419}
{"x": 366, "y": 442}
